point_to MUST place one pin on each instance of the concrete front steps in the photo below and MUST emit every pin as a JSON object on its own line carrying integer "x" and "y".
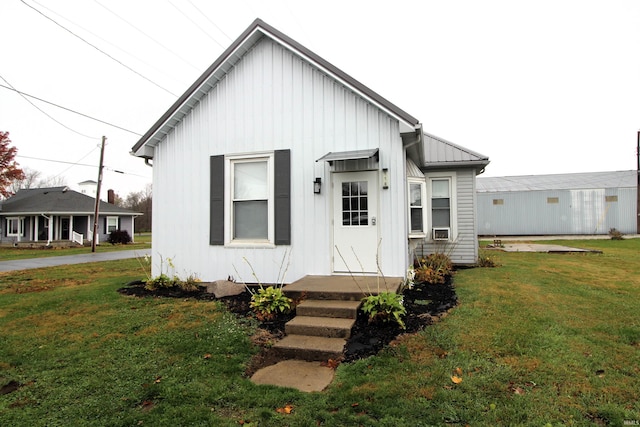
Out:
{"x": 320, "y": 329}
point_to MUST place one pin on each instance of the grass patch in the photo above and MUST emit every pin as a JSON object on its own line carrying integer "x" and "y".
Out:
{"x": 8, "y": 253}
{"x": 542, "y": 339}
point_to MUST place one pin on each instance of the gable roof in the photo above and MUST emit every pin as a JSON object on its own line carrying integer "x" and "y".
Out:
{"x": 566, "y": 181}
{"x": 440, "y": 153}
{"x": 233, "y": 54}
{"x": 56, "y": 200}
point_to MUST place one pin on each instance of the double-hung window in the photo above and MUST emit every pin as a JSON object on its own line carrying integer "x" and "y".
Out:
{"x": 15, "y": 226}
{"x": 417, "y": 199}
{"x": 112, "y": 224}
{"x": 440, "y": 203}
{"x": 250, "y": 199}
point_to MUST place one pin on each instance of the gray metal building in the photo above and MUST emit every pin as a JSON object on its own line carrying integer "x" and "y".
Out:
{"x": 576, "y": 203}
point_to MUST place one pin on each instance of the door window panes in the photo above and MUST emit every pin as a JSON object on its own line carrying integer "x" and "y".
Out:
{"x": 355, "y": 203}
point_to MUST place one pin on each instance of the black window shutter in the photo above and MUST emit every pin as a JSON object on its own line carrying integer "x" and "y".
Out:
{"x": 105, "y": 226}
{"x": 282, "y": 203}
{"x": 216, "y": 213}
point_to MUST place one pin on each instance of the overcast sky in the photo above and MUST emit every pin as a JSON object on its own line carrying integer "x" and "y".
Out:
{"x": 538, "y": 86}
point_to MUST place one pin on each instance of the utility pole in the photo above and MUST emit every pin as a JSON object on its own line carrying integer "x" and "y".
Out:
{"x": 97, "y": 211}
{"x": 638, "y": 186}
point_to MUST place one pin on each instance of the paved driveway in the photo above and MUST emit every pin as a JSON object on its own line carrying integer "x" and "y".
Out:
{"x": 25, "y": 264}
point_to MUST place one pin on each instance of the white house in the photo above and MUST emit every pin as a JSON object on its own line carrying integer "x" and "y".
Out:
{"x": 278, "y": 157}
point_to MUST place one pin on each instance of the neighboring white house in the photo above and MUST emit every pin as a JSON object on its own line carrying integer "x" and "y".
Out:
{"x": 88, "y": 187}
{"x": 278, "y": 157}
{"x": 572, "y": 203}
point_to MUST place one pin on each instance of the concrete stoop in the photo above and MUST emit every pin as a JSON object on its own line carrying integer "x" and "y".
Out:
{"x": 320, "y": 329}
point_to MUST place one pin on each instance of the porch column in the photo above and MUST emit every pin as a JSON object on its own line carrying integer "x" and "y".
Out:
{"x": 70, "y": 227}
{"x": 35, "y": 228}
{"x": 50, "y": 236}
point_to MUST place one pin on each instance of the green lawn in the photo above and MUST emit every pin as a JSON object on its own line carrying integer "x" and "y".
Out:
{"x": 7, "y": 253}
{"x": 545, "y": 339}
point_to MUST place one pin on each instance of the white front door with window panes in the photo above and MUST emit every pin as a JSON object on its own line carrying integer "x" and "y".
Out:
{"x": 355, "y": 222}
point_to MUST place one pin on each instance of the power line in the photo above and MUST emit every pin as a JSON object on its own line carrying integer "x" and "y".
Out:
{"x": 79, "y": 164}
{"x": 99, "y": 50}
{"x": 44, "y": 112}
{"x": 147, "y": 36}
{"x": 69, "y": 109}
{"x": 55, "y": 161}
{"x": 196, "y": 24}
{"x": 208, "y": 19}
{"x": 134, "y": 56}
{"x": 78, "y": 161}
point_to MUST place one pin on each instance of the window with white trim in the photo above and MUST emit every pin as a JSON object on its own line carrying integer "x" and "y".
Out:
{"x": 417, "y": 199}
{"x": 250, "y": 199}
{"x": 15, "y": 226}
{"x": 440, "y": 202}
{"x": 441, "y": 206}
{"x": 112, "y": 224}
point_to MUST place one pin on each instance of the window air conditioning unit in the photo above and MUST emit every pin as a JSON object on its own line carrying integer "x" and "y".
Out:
{"x": 441, "y": 233}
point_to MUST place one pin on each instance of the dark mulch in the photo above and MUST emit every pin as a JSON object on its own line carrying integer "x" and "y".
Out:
{"x": 424, "y": 303}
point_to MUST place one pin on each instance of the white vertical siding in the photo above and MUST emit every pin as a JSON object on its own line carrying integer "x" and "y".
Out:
{"x": 272, "y": 100}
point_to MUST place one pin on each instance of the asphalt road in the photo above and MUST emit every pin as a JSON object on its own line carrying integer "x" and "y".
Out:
{"x": 53, "y": 261}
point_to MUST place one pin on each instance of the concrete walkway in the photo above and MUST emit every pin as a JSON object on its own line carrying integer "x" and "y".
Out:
{"x": 537, "y": 247}
{"x": 53, "y": 261}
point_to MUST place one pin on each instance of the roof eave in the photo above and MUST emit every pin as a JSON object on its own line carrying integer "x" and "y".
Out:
{"x": 258, "y": 29}
{"x": 478, "y": 165}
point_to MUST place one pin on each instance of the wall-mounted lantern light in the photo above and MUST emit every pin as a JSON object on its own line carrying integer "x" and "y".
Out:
{"x": 317, "y": 185}
{"x": 385, "y": 178}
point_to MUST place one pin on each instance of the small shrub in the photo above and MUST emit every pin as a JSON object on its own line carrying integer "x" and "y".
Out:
{"x": 190, "y": 284}
{"x": 119, "y": 237}
{"x": 267, "y": 302}
{"x": 433, "y": 269}
{"x": 161, "y": 281}
{"x": 616, "y": 234}
{"x": 485, "y": 260}
{"x": 385, "y": 307}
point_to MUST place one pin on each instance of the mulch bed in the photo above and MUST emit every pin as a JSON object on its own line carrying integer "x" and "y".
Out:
{"x": 425, "y": 303}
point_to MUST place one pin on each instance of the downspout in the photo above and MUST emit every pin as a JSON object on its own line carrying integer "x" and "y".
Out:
{"x": 146, "y": 162}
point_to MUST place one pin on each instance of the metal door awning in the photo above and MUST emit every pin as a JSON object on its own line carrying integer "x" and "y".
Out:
{"x": 351, "y": 155}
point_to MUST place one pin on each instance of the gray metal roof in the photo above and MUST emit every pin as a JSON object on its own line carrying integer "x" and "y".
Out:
{"x": 439, "y": 152}
{"x": 56, "y": 200}
{"x": 349, "y": 155}
{"x": 568, "y": 181}
{"x": 234, "y": 53}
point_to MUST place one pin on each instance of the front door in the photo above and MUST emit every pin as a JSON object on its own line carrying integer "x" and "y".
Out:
{"x": 64, "y": 228}
{"x": 355, "y": 222}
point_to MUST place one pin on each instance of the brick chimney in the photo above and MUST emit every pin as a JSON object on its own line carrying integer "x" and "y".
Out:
{"x": 111, "y": 197}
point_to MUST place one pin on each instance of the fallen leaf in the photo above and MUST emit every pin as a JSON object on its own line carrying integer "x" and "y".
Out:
{"x": 207, "y": 356}
{"x": 455, "y": 379}
{"x": 517, "y": 390}
{"x": 158, "y": 379}
{"x": 333, "y": 364}
{"x": 458, "y": 371}
{"x": 287, "y": 409}
{"x": 354, "y": 405}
